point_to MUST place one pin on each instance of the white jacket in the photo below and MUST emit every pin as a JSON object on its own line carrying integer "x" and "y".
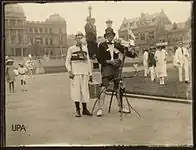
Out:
{"x": 180, "y": 57}
{"x": 78, "y": 66}
{"x": 145, "y": 58}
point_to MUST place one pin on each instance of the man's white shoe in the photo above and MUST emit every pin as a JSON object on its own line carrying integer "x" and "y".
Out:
{"x": 124, "y": 110}
{"x": 99, "y": 113}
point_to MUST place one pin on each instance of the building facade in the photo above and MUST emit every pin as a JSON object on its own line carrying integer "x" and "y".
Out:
{"x": 23, "y": 37}
{"x": 152, "y": 28}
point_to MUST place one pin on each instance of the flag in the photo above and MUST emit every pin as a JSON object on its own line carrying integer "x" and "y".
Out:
{"x": 130, "y": 33}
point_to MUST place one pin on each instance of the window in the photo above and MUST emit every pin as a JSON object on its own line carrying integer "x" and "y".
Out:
{"x": 146, "y": 35}
{"x": 19, "y": 22}
{"x": 13, "y": 37}
{"x": 136, "y": 36}
{"x": 12, "y": 22}
{"x": 30, "y": 30}
{"x": 50, "y": 30}
{"x": 6, "y": 22}
{"x": 40, "y": 30}
{"x": 151, "y": 35}
{"x": 142, "y": 36}
{"x": 46, "y": 30}
{"x": 41, "y": 40}
{"x": 60, "y": 31}
{"x": 20, "y": 37}
{"x": 51, "y": 41}
{"x": 31, "y": 40}
{"x": 46, "y": 41}
{"x": 35, "y": 29}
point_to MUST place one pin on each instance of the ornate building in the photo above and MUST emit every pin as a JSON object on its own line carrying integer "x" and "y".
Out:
{"x": 23, "y": 37}
{"x": 151, "y": 28}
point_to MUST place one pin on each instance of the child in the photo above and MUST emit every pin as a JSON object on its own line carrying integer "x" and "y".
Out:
{"x": 10, "y": 74}
{"x": 22, "y": 72}
{"x": 135, "y": 69}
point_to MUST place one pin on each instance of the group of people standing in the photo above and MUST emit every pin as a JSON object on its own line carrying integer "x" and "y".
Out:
{"x": 22, "y": 71}
{"x": 155, "y": 62}
{"x": 78, "y": 65}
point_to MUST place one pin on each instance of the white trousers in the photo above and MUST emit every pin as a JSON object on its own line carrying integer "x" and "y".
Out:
{"x": 80, "y": 89}
{"x": 146, "y": 71}
{"x": 152, "y": 73}
{"x": 186, "y": 72}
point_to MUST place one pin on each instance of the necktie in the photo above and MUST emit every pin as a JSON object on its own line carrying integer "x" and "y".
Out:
{"x": 182, "y": 51}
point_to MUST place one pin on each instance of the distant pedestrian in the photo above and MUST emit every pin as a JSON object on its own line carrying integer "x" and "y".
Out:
{"x": 135, "y": 67}
{"x": 181, "y": 60}
{"x": 145, "y": 63}
{"x": 30, "y": 65}
{"x": 39, "y": 69}
{"x": 10, "y": 75}
{"x": 161, "y": 65}
{"x": 152, "y": 63}
{"x": 23, "y": 79}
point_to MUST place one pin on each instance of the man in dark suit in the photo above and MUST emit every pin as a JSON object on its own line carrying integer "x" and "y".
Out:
{"x": 108, "y": 57}
{"x": 91, "y": 37}
{"x": 152, "y": 63}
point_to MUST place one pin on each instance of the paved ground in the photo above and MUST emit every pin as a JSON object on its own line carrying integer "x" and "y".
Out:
{"x": 48, "y": 115}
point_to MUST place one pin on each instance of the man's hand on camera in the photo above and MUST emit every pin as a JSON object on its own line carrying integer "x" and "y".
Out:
{"x": 71, "y": 75}
{"x": 109, "y": 61}
{"x": 114, "y": 62}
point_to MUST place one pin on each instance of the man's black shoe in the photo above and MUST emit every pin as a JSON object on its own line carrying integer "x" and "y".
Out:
{"x": 78, "y": 114}
{"x": 86, "y": 112}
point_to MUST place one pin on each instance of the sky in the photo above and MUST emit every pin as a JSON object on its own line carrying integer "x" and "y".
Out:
{"x": 75, "y": 13}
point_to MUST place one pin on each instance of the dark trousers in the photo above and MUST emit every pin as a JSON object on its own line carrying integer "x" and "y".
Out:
{"x": 92, "y": 48}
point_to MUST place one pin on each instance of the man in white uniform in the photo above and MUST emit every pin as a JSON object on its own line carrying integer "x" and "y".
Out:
{"x": 30, "y": 65}
{"x": 79, "y": 67}
{"x": 181, "y": 59}
{"x": 161, "y": 64}
{"x": 145, "y": 62}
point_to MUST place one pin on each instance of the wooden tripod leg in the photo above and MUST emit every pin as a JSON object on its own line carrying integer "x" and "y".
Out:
{"x": 111, "y": 100}
{"x": 120, "y": 101}
{"x": 94, "y": 105}
{"x": 130, "y": 107}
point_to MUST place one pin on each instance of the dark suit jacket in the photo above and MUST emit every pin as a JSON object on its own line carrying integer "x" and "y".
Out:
{"x": 103, "y": 55}
{"x": 91, "y": 34}
{"x": 151, "y": 60}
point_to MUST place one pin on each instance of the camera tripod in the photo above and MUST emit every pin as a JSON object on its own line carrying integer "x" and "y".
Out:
{"x": 119, "y": 91}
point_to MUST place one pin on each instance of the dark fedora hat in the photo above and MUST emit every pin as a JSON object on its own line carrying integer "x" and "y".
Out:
{"x": 109, "y": 21}
{"x": 109, "y": 31}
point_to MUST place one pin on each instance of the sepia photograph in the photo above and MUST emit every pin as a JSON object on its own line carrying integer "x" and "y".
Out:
{"x": 98, "y": 73}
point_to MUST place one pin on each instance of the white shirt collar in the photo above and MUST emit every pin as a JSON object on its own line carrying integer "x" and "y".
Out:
{"x": 109, "y": 41}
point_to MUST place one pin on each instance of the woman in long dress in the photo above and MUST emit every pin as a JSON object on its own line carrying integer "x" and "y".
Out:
{"x": 161, "y": 64}
{"x": 10, "y": 74}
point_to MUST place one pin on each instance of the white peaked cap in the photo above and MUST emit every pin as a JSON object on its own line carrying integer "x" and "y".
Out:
{"x": 29, "y": 56}
{"x": 79, "y": 33}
